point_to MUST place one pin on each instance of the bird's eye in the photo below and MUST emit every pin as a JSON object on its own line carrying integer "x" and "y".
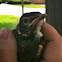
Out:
{"x": 26, "y": 20}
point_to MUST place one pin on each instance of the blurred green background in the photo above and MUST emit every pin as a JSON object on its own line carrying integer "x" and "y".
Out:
{"x": 15, "y": 0}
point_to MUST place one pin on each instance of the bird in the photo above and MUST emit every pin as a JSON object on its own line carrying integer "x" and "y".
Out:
{"x": 30, "y": 40}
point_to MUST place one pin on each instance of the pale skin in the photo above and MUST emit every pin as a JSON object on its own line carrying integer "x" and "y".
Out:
{"x": 53, "y": 52}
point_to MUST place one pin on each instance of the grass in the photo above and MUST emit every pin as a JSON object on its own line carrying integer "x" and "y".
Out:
{"x": 8, "y": 21}
{"x": 31, "y": 5}
{"x": 19, "y": 0}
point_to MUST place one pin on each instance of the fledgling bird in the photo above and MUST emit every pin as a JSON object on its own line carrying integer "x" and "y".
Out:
{"x": 30, "y": 40}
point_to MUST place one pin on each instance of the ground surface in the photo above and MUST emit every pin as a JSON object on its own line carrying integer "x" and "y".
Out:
{"x": 8, "y": 21}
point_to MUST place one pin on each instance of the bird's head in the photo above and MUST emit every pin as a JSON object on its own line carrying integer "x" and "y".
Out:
{"x": 30, "y": 23}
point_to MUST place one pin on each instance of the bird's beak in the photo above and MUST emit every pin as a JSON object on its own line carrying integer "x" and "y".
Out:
{"x": 37, "y": 20}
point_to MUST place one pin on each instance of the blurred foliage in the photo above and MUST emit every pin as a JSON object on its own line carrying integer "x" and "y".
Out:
{"x": 0, "y": 0}
{"x": 16, "y": 0}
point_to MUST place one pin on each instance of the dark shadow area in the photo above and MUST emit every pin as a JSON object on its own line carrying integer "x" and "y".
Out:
{"x": 54, "y": 12}
{"x": 8, "y": 25}
{"x": 11, "y": 2}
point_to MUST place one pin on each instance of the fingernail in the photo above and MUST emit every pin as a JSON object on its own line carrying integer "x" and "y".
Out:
{"x": 4, "y": 32}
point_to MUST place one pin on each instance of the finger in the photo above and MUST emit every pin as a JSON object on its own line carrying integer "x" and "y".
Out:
{"x": 53, "y": 52}
{"x": 7, "y": 46}
{"x": 50, "y": 33}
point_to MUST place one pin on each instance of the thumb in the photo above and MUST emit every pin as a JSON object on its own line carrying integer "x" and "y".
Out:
{"x": 50, "y": 33}
{"x": 8, "y": 47}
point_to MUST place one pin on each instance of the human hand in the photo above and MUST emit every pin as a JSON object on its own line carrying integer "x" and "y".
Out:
{"x": 7, "y": 46}
{"x": 53, "y": 52}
